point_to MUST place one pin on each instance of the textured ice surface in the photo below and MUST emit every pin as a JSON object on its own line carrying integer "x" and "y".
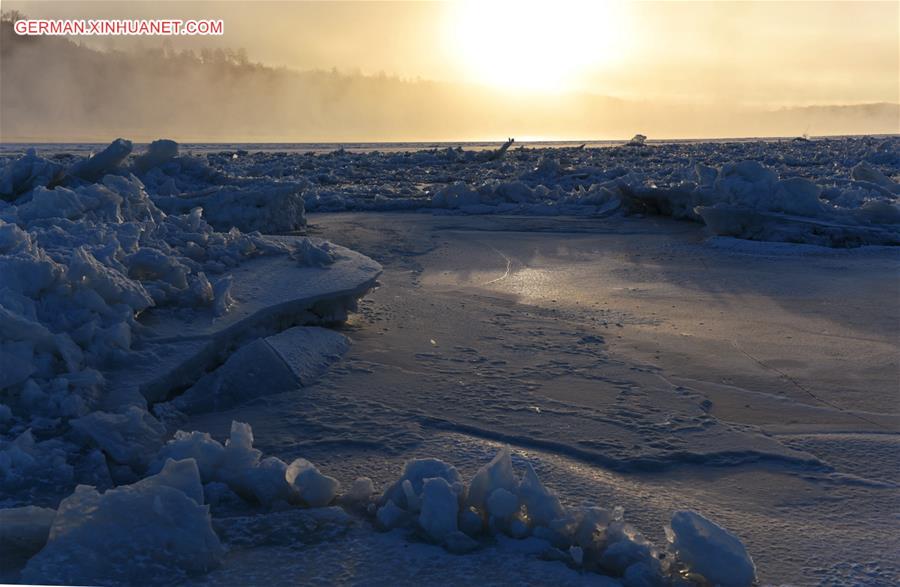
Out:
{"x": 665, "y": 372}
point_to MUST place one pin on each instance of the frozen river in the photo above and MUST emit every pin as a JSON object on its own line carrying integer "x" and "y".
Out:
{"x": 754, "y": 383}
{"x": 675, "y": 334}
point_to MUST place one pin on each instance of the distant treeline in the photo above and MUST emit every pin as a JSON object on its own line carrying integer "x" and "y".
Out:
{"x": 55, "y": 89}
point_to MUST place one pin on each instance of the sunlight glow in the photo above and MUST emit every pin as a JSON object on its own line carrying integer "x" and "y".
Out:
{"x": 536, "y": 45}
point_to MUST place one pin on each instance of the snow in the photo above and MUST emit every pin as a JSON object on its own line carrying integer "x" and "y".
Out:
{"x": 137, "y": 299}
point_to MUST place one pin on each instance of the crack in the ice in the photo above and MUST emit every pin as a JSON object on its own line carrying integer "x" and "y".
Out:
{"x": 806, "y": 390}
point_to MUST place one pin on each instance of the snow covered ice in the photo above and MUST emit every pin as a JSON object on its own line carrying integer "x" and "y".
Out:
{"x": 187, "y": 383}
{"x": 156, "y": 530}
{"x": 832, "y": 192}
{"x": 94, "y": 273}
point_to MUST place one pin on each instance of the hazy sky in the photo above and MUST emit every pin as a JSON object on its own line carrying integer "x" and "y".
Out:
{"x": 767, "y": 54}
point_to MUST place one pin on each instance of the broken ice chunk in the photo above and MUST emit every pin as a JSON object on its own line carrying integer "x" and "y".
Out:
{"x": 200, "y": 446}
{"x": 314, "y": 488}
{"x": 390, "y": 516}
{"x": 27, "y": 173}
{"x": 470, "y": 522}
{"x": 360, "y": 491}
{"x": 498, "y": 474}
{"x": 415, "y": 472}
{"x": 310, "y": 254}
{"x": 865, "y": 172}
{"x": 439, "y": 509}
{"x": 542, "y": 505}
{"x": 130, "y": 438}
{"x": 709, "y": 550}
{"x": 502, "y": 503}
{"x": 222, "y": 300}
{"x": 103, "y": 162}
{"x": 23, "y": 532}
{"x": 459, "y": 543}
{"x": 268, "y": 481}
{"x": 293, "y": 358}
{"x": 148, "y": 531}
{"x": 158, "y": 153}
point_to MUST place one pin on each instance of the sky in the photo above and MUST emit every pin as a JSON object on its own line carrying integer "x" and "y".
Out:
{"x": 727, "y": 56}
{"x": 752, "y": 53}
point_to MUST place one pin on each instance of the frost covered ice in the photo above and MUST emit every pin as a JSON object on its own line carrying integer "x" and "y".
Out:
{"x": 133, "y": 295}
{"x": 290, "y": 359}
{"x": 243, "y": 470}
{"x": 710, "y": 551}
{"x": 839, "y": 192}
{"x": 108, "y": 303}
{"x": 163, "y": 517}
{"x": 831, "y": 192}
{"x": 155, "y": 530}
{"x": 431, "y": 498}
{"x": 159, "y": 529}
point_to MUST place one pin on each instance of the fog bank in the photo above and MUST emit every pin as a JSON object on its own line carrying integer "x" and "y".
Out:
{"x": 53, "y": 89}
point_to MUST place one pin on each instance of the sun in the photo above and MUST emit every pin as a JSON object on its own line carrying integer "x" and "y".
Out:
{"x": 535, "y": 45}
